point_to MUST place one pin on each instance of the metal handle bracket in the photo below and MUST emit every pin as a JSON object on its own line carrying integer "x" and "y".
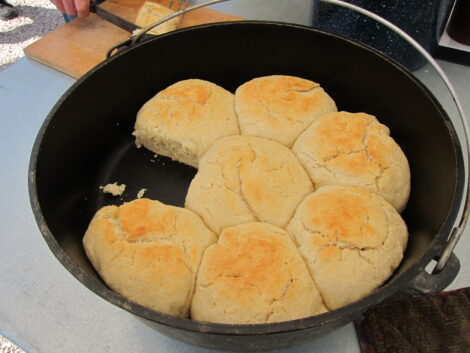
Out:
{"x": 425, "y": 284}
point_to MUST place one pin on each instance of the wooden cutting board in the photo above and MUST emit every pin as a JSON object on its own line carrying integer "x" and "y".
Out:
{"x": 79, "y": 45}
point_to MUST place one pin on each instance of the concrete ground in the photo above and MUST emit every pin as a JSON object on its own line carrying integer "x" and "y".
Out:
{"x": 36, "y": 18}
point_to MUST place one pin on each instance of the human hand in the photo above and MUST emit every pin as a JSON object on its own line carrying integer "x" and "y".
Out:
{"x": 80, "y": 8}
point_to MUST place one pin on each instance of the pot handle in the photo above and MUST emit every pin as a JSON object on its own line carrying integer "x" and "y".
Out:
{"x": 426, "y": 284}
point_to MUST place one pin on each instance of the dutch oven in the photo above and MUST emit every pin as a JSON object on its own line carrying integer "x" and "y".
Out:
{"x": 86, "y": 142}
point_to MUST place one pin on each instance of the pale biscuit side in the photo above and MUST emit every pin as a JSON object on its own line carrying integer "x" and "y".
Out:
{"x": 183, "y": 120}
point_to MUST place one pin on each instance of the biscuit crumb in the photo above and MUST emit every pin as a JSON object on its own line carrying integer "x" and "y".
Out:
{"x": 141, "y": 193}
{"x": 115, "y": 189}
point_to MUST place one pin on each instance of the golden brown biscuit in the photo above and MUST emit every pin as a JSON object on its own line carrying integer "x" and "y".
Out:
{"x": 148, "y": 252}
{"x": 355, "y": 150}
{"x": 244, "y": 178}
{"x": 151, "y": 12}
{"x": 351, "y": 239}
{"x": 279, "y": 108}
{"x": 254, "y": 274}
{"x": 184, "y": 120}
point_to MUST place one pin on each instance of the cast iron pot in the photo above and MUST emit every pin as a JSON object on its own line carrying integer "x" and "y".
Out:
{"x": 86, "y": 142}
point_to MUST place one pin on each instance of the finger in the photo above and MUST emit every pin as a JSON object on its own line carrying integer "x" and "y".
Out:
{"x": 83, "y": 7}
{"x": 69, "y": 7}
{"x": 59, "y": 5}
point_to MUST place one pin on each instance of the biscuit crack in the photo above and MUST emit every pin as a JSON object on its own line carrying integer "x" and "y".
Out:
{"x": 188, "y": 266}
{"x": 361, "y": 255}
{"x": 334, "y": 242}
{"x": 316, "y": 165}
{"x": 312, "y": 276}
{"x": 205, "y": 285}
{"x": 116, "y": 256}
{"x": 242, "y": 194}
{"x": 268, "y": 315}
{"x": 322, "y": 163}
{"x": 284, "y": 292}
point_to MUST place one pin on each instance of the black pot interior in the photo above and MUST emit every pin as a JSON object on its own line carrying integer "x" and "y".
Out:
{"x": 87, "y": 140}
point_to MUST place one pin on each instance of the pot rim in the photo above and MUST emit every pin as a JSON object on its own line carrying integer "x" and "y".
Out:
{"x": 389, "y": 288}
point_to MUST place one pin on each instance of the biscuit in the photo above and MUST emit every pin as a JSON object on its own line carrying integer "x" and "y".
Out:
{"x": 151, "y": 12}
{"x": 280, "y": 107}
{"x": 183, "y": 120}
{"x": 245, "y": 178}
{"x": 351, "y": 239}
{"x": 148, "y": 252}
{"x": 254, "y": 274}
{"x": 355, "y": 150}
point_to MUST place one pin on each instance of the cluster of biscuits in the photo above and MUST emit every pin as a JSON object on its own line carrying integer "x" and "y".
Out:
{"x": 294, "y": 210}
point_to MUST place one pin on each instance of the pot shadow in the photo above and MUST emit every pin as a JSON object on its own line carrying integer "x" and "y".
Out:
{"x": 44, "y": 20}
